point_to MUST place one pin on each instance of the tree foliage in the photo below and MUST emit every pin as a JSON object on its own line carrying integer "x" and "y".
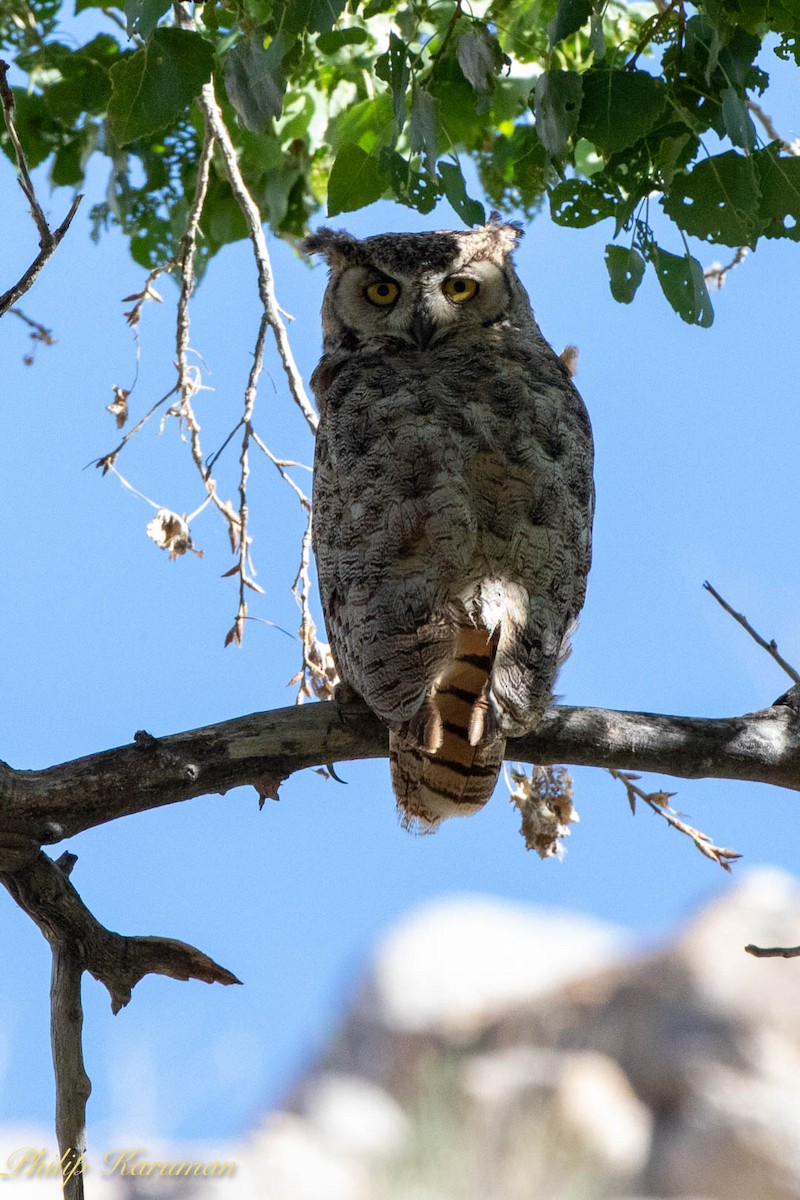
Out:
{"x": 603, "y": 110}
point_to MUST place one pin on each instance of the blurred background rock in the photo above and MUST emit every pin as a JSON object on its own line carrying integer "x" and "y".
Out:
{"x": 498, "y": 1052}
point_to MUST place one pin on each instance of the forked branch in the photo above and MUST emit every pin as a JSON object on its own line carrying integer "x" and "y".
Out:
{"x": 49, "y": 239}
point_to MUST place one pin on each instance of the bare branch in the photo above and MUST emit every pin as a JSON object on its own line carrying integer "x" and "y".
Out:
{"x": 792, "y": 147}
{"x": 770, "y": 646}
{"x": 658, "y": 802}
{"x": 73, "y": 1087}
{"x": 40, "y": 335}
{"x": 255, "y": 229}
{"x": 46, "y": 894}
{"x": 716, "y": 274}
{"x": 317, "y": 677}
{"x": 49, "y": 241}
{"x": 265, "y": 748}
{"x": 773, "y": 951}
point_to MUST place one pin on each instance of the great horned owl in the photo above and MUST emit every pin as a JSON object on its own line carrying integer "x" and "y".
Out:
{"x": 452, "y": 503}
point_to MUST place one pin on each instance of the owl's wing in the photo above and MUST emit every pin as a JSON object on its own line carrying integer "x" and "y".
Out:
{"x": 550, "y": 502}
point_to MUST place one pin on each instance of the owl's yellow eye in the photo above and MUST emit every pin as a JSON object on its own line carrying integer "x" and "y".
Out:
{"x": 460, "y": 288}
{"x": 382, "y": 293}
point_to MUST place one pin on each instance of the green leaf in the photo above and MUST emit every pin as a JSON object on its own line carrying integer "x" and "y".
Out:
{"x": 151, "y": 88}
{"x": 738, "y": 122}
{"x": 393, "y": 68}
{"x": 83, "y": 86}
{"x": 470, "y": 211}
{"x": 578, "y": 203}
{"x": 316, "y": 16}
{"x": 254, "y": 80}
{"x": 570, "y": 16}
{"x": 38, "y": 130}
{"x": 329, "y": 43}
{"x": 683, "y": 285}
{"x": 717, "y": 201}
{"x": 619, "y": 107}
{"x": 142, "y": 16}
{"x": 779, "y": 183}
{"x": 424, "y": 127}
{"x": 368, "y": 124}
{"x": 557, "y": 104}
{"x": 355, "y": 180}
{"x": 625, "y": 272}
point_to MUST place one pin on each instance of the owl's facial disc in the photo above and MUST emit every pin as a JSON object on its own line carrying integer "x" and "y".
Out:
{"x": 381, "y": 305}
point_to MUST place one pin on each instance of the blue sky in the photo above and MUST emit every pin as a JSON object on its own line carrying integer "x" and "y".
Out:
{"x": 697, "y": 435}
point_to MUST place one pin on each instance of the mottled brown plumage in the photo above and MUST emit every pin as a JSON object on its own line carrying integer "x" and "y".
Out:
{"x": 453, "y": 502}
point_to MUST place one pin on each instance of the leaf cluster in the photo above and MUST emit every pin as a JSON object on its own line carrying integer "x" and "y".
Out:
{"x": 603, "y": 110}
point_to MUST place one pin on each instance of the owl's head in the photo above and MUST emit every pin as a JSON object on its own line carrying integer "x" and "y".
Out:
{"x": 418, "y": 288}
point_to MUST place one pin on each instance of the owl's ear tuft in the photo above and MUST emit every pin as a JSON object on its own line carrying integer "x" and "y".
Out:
{"x": 505, "y": 234}
{"x": 337, "y": 246}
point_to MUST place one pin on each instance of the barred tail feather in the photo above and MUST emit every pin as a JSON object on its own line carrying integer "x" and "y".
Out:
{"x": 446, "y": 760}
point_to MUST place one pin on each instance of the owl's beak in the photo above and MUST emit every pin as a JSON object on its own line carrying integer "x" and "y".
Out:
{"x": 422, "y": 328}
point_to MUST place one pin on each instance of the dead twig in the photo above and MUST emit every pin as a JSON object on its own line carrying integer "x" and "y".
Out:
{"x": 317, "y": 677}
{"x": 716, "y": 274}
{"x": 266, "y": 286}
{"x": 792, "y": 147}
{"x": 659, "y": 803}
{"x": 49, "y": 240}
{"x": 770, "y": 646}
{"x": 244, "y": 565}
{"x": 40, "y": 335}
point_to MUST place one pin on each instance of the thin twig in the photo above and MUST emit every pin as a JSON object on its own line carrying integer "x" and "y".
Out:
{"x": 107, "y": 461}
{"x": 717, "y": 274}
{"x": 28, "y": 279}
{"x": 770, "y": 646}
{"x": 659, "y": 803}
{"x": 40, "y": 335}
{"x": 244, "y": 567}
{"x": 48, "y": 240}
{"x": 280, "y": 465}
{"x": 664, "y": 12}
{"x": 317, "y": 677}
{"x": 266, "y": 286}
{"x": 792, "y": 147}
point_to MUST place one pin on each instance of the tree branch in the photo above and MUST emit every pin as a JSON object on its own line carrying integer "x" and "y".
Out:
{"x": 263, "y": 749}
{"x": 49, "y": 241}
{"x": 73, "y": 1086}
{"x": 266, "y": 286}
{"x": 46, "y": 894}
